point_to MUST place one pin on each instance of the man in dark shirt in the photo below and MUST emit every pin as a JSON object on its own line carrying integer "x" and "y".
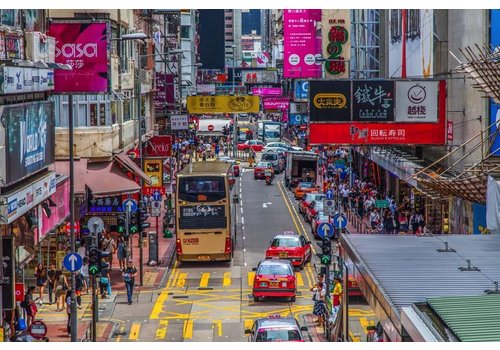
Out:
{"x": 129, "y": 277}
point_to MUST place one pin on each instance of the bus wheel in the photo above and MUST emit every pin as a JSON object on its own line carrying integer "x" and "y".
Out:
{"x": 292, "y": 299}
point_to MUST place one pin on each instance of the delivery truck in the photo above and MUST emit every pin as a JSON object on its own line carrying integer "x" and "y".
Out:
{"x": 298, "y": 165}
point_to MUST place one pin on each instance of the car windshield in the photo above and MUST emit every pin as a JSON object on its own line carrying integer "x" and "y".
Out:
{"x": 277, "y": 334}
{"x": 318, "y": 206}
{"x": 318, "y": 196}
{"x": 262, "y": 164}
{"x": 306, "y": 185}
{"x": 274, "y": 269}
{"x": 285, "y": 242}
{"x": 267, "y": 156}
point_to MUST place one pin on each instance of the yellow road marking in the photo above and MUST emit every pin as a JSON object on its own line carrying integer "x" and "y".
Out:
{"x": 134, "y": 331}
{"x": 181, "y": 281}
{"x": 157, "y": 308}
{"x": 251, "y": 277}
{"x": 187, "y": 332}
{"x": 366, "y": 323}
{"x": 353, "y": 337}
{"x": 218, "y": 324}
{"x": 227, "y": 279}
{"x": 161, "y": 332}
{"x": 248, "y": 323}
{"x": 118, "y": 338}
{"x": 300, "y": 281}
{"x": 204, "y": 279}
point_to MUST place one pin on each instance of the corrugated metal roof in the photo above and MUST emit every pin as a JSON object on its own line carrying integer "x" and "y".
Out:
{"x": 470, "y": 318}
{"x": 408, "y": 269}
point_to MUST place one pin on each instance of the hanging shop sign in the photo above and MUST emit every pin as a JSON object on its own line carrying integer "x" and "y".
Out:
{"x": 301, "y": 45}
{"x": 336, "y": 43}
{"x": 8, "y": 265}
{"x": 301, "y": 90}
{"x": 159, "y": 146}
{"x": 276, "y": 103}
{"x": 29, "y": 139}
{"x": 15, "y": 80}
{"x": 3, "y": 53}
{"x": 373, "y": 101}
{"x": 259, "y": 76}
{"x": 164, "y": 93}
{"x": 153, "y": 169}
{"x": 298, "y": 119}
{"x": 179, "y": 122}
{"x": 416, "y": 101}
{"x": 21, "y": 201}
{"x": 223, "y": 104}
{"x": 109, "y": 204}
{"x": 58, "y": 213}
{"x": 84, "y": 46}
{"x": 267, "y": 91}
{"x": 330, "y": 101}
{"x": 449, "y": 131}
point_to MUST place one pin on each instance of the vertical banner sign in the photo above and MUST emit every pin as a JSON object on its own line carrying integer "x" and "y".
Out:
{"x": 449, "y": 131}
{"x": 416, "y": 101}
{"x": 153, "y": 169}
{"x": 495, "y": 108}
{"x": 373, "y": 101}
{"x": 83, "y": 45}
{"x": 301, "y": 45}
{"x": 301, "y": 90}
{"x": 8, "y": 288}
{"x": 330, "y": 101}
{"x": 335, "y": 25}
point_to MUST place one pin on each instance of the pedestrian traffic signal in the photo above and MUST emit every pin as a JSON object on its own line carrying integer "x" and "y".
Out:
{"x": 103, "y": 256}
{"x": 326, "y": 250}
{"x": 93, "y": 260}
{"x": 120, "y": 225}
{"x": 142, "y": 216}
{"x": 133, "y": 226}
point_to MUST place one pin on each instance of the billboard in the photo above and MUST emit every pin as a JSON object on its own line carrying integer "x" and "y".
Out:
{"x": 300, "y": 44}
{"x": 164, "y": 93}
{"x": 276, "y": 103}
{"x": 179, "y": 122}
{"x": 373, "y": 100}
{"x": 267, "y": 91}
{"x": 84, "y": 46}
{"x": 259, "y": 76}
{"x": 495, "y": 108}
{"x": 419, "y": 39}
{"x": 301, "y": 90}
{"x": 330, "y": 101}
{"x": 158, "y": 146}
{"x": 223, "y": 104}
{"x": 377, "y": 133}
{"x": 416, "y": 101}
{"x": 29, "y": 139}
{"x": 336, "y": 44}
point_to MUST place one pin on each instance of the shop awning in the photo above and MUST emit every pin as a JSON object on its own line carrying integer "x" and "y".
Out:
{"x": 80, "y": 167}
{"x": 105, "y": 179}
{"x": 129, "y": 164}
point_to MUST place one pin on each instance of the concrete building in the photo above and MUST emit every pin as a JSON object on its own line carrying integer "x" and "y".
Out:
{"x": 232, "y": 36}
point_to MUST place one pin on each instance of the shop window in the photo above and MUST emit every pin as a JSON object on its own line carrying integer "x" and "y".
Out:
{"x": 93, "y": 114}
{"x": 126, "y": 110}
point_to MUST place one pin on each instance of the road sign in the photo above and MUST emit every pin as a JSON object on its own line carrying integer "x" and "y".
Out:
{"x": 72, "y": 262}
{"x": 95, "y": 224}
{"x": 329, "y": 194}
{"x": 326, "y": 259}
{"x": 155, "y": 208}
{"x": 19, "y": 291}
{"x": 129, "y": 205}
{"x": 340, "y": 221}
{"x": 210, "y": 127}
{"x": 76, "y": 227}
{"x": 328, "y": 205}
{"x": 156, "y": 196}
{"x": 325, "y": 230}
{"x": 38, "y": 329}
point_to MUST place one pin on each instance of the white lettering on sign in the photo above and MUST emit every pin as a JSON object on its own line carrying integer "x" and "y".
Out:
{"x": 72, "y": 50}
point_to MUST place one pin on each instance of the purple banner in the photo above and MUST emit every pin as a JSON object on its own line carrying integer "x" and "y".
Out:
{"x": 267, "y": 91}
{"x": 83, "y": 46}
{"x": 301, "y": 44}
{"x": 164, "y": 93}
{"x": 276, "y": 103}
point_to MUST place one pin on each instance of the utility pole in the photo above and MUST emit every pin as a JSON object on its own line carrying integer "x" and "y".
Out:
{"x": 235, "y": 118}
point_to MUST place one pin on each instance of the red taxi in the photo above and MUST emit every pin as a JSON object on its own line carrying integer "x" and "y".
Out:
{"x": 260, "y": 168}
{"x": 256, "y": 145}
{"x": 307, "y": 199}
{"x": 276, "y": 329}
{"x": 274, "y": 278}
{"x": 291, "y": 247}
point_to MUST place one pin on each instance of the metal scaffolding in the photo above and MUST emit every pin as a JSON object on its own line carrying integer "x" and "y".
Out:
{"x": 365, "y": 43}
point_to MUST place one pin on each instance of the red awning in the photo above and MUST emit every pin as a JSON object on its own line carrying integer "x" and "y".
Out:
{"x": 80, "y": 167}
{"x": 105, "y": 179}
{"x": 128, "y": 163}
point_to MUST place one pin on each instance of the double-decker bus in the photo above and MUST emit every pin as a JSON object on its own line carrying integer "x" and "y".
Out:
{"x": 203, "y": 213}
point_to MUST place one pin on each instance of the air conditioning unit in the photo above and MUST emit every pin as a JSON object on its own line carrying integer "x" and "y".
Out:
{"x": 40, "y": 47}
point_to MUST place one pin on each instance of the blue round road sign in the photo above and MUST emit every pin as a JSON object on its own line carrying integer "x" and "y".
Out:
{"x": 72, "y": 262}
{"x": 340, "y": 221}
{"x": 129, "y": 205}
{"x": 325, "y": 230}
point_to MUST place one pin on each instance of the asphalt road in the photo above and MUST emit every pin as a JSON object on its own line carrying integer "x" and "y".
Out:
{"x": 212, "y": 302}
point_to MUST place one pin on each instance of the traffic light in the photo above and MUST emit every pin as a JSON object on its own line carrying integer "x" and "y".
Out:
{"x": 142, "y": 216}
{"x": 102, "y": 255}
{"x": 326, "y": 250}
{"x": 133, "y": 226}
{"x": 93, "y": 260}
{"x": 120, "y": 225}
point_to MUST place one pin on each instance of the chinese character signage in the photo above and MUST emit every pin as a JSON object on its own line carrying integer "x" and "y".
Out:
{"x": 300, "y": 44}
{"x": 108, "y": 204}
{"x": 330, "y": 101}
{"x": 223, "y": 104}
{"x": 164, "y": 92}
{"x": 336, "y": 41}
{"x": 84, "y": 46}
{"x": 15, "y": 80}
{"x": 373, "y": 101}
{"x": 179, "y": 122}
{"x": 259, "y": 76}
{"x": 416, "y": 101}
{"x": 29, "y": 139}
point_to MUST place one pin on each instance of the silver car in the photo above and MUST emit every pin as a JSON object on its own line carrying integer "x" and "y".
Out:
{"x": 274, "y": 159}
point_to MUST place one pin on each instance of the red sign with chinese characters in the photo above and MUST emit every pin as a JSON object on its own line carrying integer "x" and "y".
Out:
{"x": 149, "y": 191}
{"x": 384, "y": 133}
{"x": 159, "y": 146}
{"x": 449, "y": 132}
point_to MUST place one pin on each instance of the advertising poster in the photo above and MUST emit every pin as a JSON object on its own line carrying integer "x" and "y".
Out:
{"x": 330, "y": 101}
{"x": 267, "y": 91}
{"x": 29, "y": 138}
{"x": 301, "y": 90}
{"x": 301, "y": 44}
{"x": 159, "y": 146}
{"x": 336, "y": 42}
{"x": 153, "y": 169}
{"x": 373, "y": 101}
{"x": 57, "y": 213}
{"x": 83, "y": 46}
{"x": 223, "y": 104}
{"x": 417, "y": 101}
{"x": 495, "y": 108}
{"x": 276, "y": 103}
{"x": 8, "y": 265}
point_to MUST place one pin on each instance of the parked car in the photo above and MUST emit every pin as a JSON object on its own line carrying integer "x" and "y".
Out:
{"x": 313, "y": 209}
{"x": 303, "y": 188}
{"x": 307, "y": 199}
{"x": 291, "y": 247}
{"x": 274, "y": 278}
{"x": 258, "y": 172}
{"x": 317, "y": 221}
{"x": 276, "y": 329}
{"x": 256, "y": 145}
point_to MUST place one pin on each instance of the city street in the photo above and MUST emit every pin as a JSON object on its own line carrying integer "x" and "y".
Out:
{"x": 213, "y": 302}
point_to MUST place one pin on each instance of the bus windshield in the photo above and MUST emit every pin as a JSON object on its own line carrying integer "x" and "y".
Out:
{"x": 202, "y": 188}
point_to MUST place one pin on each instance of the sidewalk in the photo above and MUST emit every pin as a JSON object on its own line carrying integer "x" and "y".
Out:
{"x": 316, "y": 333}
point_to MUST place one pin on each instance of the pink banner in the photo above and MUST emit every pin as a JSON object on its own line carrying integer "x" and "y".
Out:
{"x": 83, "y": 46}
{"x": 58, "y": 213}
{"x": 276, "y": 103}
{"x": 301, "y": 44}
{"x": 267, "y": 91}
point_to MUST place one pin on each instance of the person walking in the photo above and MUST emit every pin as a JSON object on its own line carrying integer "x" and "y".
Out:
{"x": 29, "y": 305}
{"x": 61, "y": 286}
{"x": 41, "y": 281}
{"x": 109, "y": 245}
{"x": 121, "y": 252}
{"x": 129, "y": 278}
{"x": 85, "y": 273}
{"x": 104, "y": 281}
{"x": 50, "y": 282}
{"x": 67, "y": 299}
{"x": 319, "y": 290}
{"x": 414, "y": 222}
{"x": 374, "y": 219}
{"x": 78, "y": 288}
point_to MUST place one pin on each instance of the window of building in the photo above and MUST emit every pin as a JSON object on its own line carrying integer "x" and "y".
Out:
{"x": 185, "y": 32}
{"x": 126, "y": 110}
{"x": 10, "y": 18}
{"x": 114, "y": 112}
{"x": 82, "y": 114}
{"x": 93, "y": 114}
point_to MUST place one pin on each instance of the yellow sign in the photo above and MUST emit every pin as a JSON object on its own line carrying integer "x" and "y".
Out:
{"x": 153, "y": 169}
{"x": 223, "y": 104}
{"x": 326, "y": 100}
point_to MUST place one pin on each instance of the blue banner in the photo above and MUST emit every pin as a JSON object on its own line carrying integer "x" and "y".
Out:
{"x": 301, "y": 89}
{"x": 297, "y": 119}
{"x": 494, "y": 108}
